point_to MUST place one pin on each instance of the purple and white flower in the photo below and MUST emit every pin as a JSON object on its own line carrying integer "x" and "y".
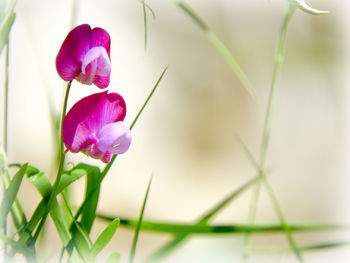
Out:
{"x": 85, "y": 56}
{"x": 94, "y": 125}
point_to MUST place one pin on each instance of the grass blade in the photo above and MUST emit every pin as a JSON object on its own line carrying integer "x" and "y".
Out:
{"x": 237, "y": 70}
{"x": 104, "y": 238}
{"x": 148, "y": 98}
{"x": 304, "y": 248}
{"x": 17, "y": 213}
{"x": 138, "y": 226}
{"x": 205, "y": 229}
{"x": 10, "y": 195}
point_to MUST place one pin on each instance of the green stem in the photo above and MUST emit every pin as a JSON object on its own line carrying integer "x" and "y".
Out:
{"x": 6, "y": 122}
{"x": 60, "y": 168}
{"x": 6, "y": 95}
{"x": 279, "y": 58}
{"x": 109, "y": 165}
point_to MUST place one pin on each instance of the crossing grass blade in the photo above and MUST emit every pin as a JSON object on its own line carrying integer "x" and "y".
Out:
{"x": 222, "y": 49}
{"x": 138, "y": 225}
{"x": 10, "y": 195}
{"x": 170, "y": 246}
{"x": 104, "y": 238}
{"x": 205, "y": 229}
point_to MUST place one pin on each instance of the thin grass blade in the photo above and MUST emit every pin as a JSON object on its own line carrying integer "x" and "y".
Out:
{"x": 235, "y": 67}
{"x": 205, "y": 229}
{"x": 138, "y": 226}
{"x": 263, "y": 250}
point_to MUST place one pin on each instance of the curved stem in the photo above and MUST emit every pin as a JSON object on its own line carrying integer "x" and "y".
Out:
{"x": 60, "y": 167}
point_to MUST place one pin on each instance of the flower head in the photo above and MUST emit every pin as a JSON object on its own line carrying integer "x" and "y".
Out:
{"x": 85, "y": 56}
{"x": 95, "y": 126}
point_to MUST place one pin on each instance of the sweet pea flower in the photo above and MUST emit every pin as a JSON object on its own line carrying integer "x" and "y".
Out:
{"x": 85, "y": 56}
{"x": 94, "y": 125}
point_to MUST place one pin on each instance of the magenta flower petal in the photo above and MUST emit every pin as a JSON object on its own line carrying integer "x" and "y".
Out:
{"x": 102, "y": 82}
{"x": 95, "y": 63}
{"x": 72, "y": 52}
{"x": 85, "y": 56}
{"x": 100, "y": 38}
{"x": 114, "y": 138}
{"x": 88, "y": 116}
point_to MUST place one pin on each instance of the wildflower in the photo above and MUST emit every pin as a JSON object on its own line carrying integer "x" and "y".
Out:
{"x": 94, "y": 125}
{"x": 85, "y": 56}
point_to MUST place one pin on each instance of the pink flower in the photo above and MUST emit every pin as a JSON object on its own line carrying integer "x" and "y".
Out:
{"x": 95, "y": 126}
{"x": 85, "y": 56}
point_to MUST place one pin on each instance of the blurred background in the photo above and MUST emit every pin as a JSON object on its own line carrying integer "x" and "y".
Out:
{"x": 186, "y": 136}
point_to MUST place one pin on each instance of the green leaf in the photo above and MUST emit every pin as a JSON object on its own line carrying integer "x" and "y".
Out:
{"x": 70, "y": 176}
{"x": 114, "y": 258}
{"x": 6, "y": 24}
{"x": 81, "y": 240}
{"x": 17, "y": 213}
{"x": 11, "y": 194}
{"x": 104, "y": 238}
{"x": 43, "y": 185}
{"x": 138, "y": 226}
{"x": 237, "y": 70}
{"x": 91, "y": 194}
{"x": 41, "y": 182}
{"x": 306, "y": 8}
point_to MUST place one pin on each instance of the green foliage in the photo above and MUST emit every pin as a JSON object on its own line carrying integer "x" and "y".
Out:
{"x": 104, "y": 238}
{"x": 91, "y": 195}
{"x": 10, "y": 195}
{"x": 6, "y": 21}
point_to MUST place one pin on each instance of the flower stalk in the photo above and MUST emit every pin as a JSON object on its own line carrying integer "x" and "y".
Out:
{"x": 62, "y": 156}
